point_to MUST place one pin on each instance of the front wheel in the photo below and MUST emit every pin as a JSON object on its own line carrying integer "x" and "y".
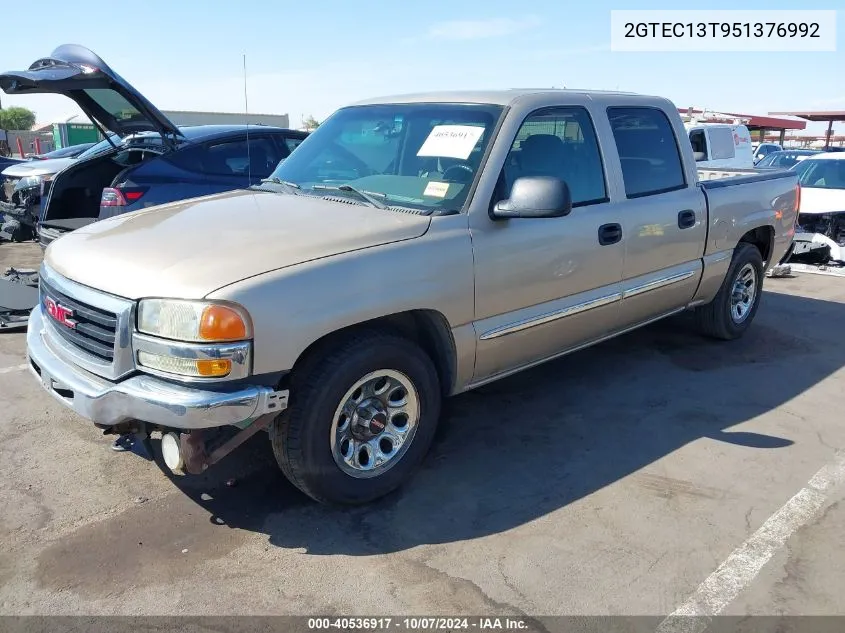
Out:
{"x": 735, "y": 305}
{"x": 361, "y": 419}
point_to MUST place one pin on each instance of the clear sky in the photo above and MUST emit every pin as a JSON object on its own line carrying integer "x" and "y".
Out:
{"x": 312, "y": 57}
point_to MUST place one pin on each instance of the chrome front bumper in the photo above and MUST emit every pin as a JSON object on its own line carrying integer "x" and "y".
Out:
{"x": 141, "y": 397}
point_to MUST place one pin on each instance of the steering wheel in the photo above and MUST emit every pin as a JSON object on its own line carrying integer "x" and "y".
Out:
{"x": 461, "y": 173}
{"x": 345, "y": 158}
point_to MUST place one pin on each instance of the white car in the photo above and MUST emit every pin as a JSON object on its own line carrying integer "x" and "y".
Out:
{"x": 820, "y": 234}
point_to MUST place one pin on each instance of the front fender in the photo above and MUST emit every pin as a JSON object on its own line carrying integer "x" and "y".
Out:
{"x": 293, "y": 307}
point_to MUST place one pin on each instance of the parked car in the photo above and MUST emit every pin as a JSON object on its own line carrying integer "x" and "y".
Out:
{"x": 820, "y": 234}
{"x": 6, "y": 161}
{"x": 785, "y": 159}
{"x": 411, "y": 247}
{"x": 72, "y": 151}
{"x": 721, "y": 145}
{"x": 154, "y": 162}
{"x": 764, "y": 149}
{"x": 24, "y": 185}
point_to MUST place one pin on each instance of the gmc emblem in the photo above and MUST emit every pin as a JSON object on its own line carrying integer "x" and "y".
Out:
{"x": 60, "y": 313}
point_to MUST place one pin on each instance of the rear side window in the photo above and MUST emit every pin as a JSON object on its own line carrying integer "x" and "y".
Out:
{"x": 648, "y": 151}
{"x": 231, "y": 158}
{"x": 722, "y": 143}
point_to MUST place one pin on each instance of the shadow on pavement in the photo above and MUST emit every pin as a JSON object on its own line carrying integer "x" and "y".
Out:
{"x": 515, "y": 450}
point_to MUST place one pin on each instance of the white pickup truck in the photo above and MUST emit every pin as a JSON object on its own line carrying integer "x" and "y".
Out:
{"x": 411, "y": 248}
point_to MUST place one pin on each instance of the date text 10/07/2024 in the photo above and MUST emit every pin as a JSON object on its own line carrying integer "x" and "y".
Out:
{"x": 419, "y": 624}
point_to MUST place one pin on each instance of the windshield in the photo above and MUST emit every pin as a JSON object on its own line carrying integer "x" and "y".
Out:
{"x": 821, "y": 173}
{"x": 100, "y": 147}
{"x": 424, "y": 156}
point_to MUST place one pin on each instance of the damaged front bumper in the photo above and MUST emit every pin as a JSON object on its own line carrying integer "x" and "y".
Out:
{"x": 819, "y": 239}
{"x": 141, "y": 397}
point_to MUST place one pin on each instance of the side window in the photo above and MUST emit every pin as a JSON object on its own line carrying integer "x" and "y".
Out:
{"x": 263, "y": 156}
{"x": 698, "y": 142}
{"x": 648, "y": 151}
{"x": 559, "y": 142}
{"x": 722, "y": 143}
{"x": 235, "y": 158}
{"x": 292, "y": 143}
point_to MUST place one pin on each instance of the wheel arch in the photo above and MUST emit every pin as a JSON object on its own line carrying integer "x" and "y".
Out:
{"x": 763, "y": 237}
{"x": 427, "y": 328}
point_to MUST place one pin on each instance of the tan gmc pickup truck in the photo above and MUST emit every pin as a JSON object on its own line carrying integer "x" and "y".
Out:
{"x": 411, "y": 248}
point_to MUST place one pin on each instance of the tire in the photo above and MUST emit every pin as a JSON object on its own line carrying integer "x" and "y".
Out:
{"x": 308, "y": 437}
{"x": 721, "y": 318}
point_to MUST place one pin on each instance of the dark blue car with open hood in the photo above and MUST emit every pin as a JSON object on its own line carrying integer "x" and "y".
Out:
{"x": 153, "y": 162}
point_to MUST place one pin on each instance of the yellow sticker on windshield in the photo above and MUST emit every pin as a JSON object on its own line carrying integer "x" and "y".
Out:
{"x": 436, "y": 189}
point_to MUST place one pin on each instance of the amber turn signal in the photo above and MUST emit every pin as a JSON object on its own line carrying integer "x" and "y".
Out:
{"x": 214, "y": 368}
{"x": 221, "y": 323}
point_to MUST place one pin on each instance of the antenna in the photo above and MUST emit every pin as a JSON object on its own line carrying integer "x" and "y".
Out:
{"x": 246, "y": 116}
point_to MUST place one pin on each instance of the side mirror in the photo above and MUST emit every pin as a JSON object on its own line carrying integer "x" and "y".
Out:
{"x": 535, "y": 197}
{"x": 699, "y": 156}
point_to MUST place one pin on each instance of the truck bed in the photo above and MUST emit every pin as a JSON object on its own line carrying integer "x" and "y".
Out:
{"x": 726, "y": 177}
{"x": 718, "y": 173}
{"x": 748, "y": 199}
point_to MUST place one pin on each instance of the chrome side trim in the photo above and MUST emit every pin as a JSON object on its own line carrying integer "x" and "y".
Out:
{"x": 657, "y": 283}
{"x": 239, "y": 353}
{"x": 124, "y": 309}
{"x": 524, "y": 324}
{"x": 515, "y": 370}
{"x": 718, "y": 257}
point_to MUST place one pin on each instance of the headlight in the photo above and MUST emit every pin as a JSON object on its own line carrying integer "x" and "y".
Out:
{"x": 29, "y": 182}
{"x": 193, "y": 321}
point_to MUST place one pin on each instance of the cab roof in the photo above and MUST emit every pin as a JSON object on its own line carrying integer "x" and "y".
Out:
{"x": 491, "y": 97}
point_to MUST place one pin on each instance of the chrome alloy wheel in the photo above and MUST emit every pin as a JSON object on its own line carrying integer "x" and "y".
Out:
{"x": 375, "y": 423}
{"x": 744, "y": 293}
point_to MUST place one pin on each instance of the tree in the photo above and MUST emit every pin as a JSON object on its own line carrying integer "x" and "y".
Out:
{"x": 310, "y": 123}
{"x": 16, "y": 118}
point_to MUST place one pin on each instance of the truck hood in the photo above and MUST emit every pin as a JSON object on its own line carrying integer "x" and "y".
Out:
{"x": 38, "y": 167}
{"x": 190, "y": 248}
{"x": 819, "y": 200}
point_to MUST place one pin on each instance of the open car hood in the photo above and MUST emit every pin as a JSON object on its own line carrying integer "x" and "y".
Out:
{"x": 107, "y": 98}
{"x": 820, "y": 200}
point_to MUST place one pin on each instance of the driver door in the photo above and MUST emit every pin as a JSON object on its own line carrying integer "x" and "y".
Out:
{"x": 546, "y": 285}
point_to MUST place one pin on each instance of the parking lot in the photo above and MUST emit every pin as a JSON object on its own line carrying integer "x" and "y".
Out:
{"x": 614, "y": 481}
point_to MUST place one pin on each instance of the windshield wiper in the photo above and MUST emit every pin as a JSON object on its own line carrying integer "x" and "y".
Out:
{"x": 368, "y": 197}
{"x": 290, "y": 187}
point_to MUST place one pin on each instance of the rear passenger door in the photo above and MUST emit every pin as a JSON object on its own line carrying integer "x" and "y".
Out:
{"x": 664, "y": 217}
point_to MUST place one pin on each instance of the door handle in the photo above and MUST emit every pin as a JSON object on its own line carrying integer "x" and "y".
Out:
{"x": 686, "y": 219}
{"x": 610, "y": 234}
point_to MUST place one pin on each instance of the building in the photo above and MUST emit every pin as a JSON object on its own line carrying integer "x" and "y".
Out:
{"x": 183, "y": 117}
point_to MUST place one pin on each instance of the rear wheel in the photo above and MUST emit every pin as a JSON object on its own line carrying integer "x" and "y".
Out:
{"x": 362, "y": 417}
{"x": 735, "y": 305}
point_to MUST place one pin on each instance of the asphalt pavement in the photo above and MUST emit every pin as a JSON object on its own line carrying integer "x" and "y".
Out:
{"x": 657, "y": 473}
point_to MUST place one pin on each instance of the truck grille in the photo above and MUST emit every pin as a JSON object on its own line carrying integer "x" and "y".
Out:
{"x": 91, "y": 329}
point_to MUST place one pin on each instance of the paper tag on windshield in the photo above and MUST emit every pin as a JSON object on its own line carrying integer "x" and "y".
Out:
{"x": 451, "y": 141}
{"x": 436, "y": 189}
